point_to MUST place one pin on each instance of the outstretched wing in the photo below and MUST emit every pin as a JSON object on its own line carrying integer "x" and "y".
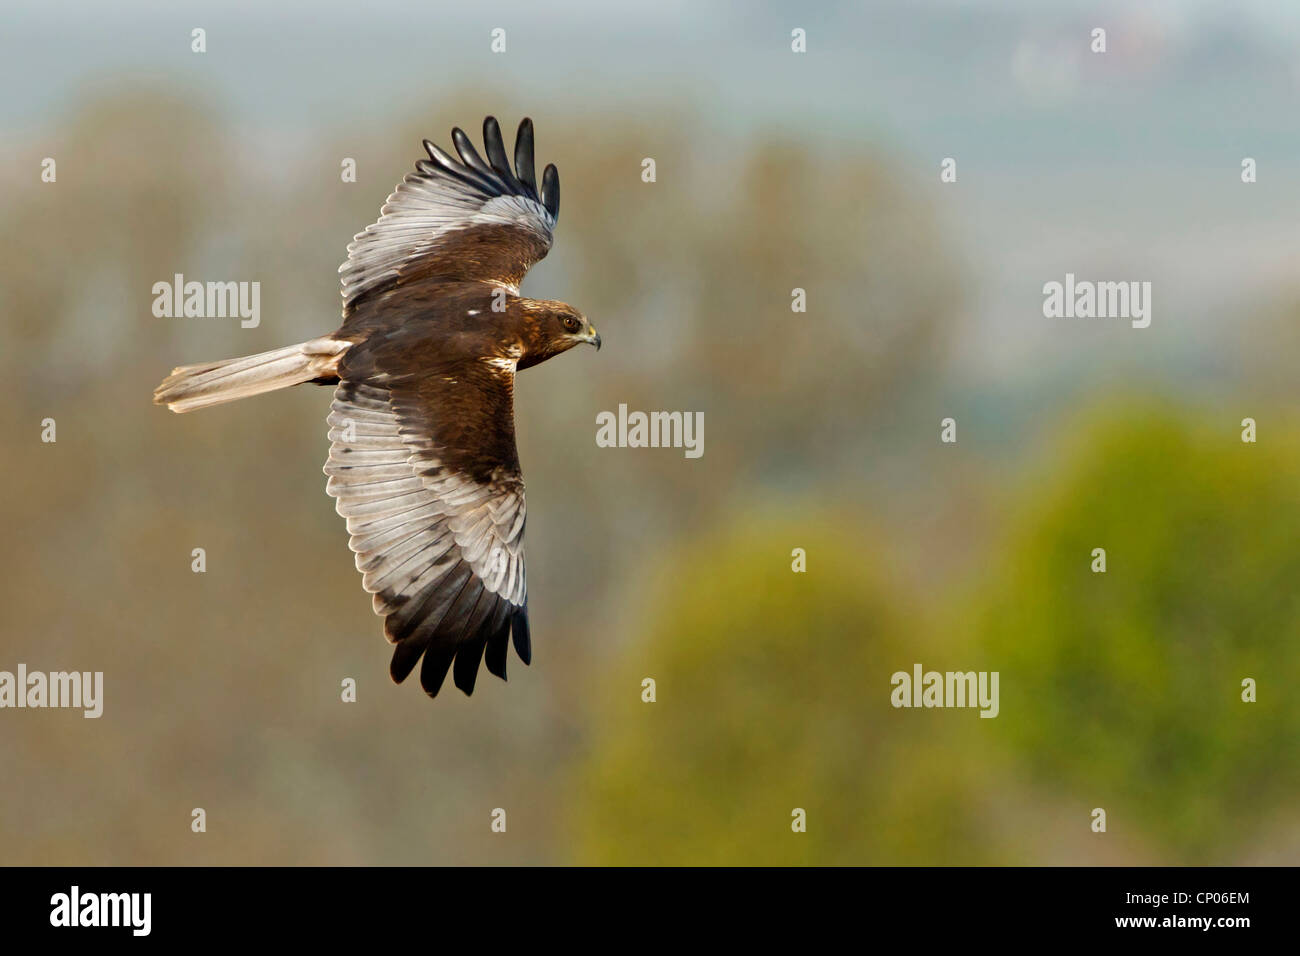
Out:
{"x": 426, "y": 473}
{"x": 466, "y": 220}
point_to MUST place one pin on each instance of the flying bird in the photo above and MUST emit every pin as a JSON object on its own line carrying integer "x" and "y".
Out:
{"x": 422, "y": 458}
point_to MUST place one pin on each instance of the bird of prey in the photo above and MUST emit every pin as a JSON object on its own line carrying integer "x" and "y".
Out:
{"x": 423, "y": 460}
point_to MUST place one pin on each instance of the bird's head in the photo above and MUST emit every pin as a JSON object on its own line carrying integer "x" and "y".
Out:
{"x": 549, "y": 327}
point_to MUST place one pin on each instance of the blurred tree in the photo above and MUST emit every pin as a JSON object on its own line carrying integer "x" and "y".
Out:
{"x": 773, "y": 694}
{"x": 1124, "y": 688}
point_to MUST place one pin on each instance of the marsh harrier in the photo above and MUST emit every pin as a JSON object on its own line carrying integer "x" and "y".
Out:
{"x": 423, "y": 460}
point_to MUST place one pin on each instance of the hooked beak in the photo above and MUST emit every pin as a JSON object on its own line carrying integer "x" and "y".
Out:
{"x": 594, "y": 339}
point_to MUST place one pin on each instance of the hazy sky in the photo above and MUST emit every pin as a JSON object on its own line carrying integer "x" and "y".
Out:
{"x": 1124, "y": 165}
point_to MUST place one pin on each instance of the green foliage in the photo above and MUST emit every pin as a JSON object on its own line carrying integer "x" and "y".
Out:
{"x": 773, "y": 693}
{"x": 1120, "y": 690}
{"x": 1124, "y": 688}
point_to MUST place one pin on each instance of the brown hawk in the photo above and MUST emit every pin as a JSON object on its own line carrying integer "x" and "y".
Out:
{"x": 423, "y": 460}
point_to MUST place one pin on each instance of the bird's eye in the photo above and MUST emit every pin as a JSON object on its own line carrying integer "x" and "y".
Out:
{"x": 571, "y": 323}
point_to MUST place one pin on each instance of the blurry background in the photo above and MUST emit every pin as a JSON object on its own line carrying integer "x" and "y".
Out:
{"x": 775, "y": 171}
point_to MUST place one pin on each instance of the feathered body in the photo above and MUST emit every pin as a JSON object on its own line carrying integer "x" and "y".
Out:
{"x": 423, "y": 459}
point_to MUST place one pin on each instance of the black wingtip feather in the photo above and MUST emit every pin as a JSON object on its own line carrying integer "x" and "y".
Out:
{"x": 405, "y": 656}
{"x": 445, "y": 162}
{"x": 434, "y": 669}
{"x": 524, "y": 156}
{"x": 551, "y": 190}
{"x": 468, "y": 657}
{"x": 498, "y": 648}
{"x": 523, "y": 641}
{"x": 496, "y": 153}
{"x": 469, "y": 155}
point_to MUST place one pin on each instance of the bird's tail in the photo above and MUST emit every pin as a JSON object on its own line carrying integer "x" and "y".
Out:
{"x": 214, "y": 383}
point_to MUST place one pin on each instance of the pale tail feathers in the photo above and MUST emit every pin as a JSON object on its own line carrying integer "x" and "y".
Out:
{"x": 214, "y": 383}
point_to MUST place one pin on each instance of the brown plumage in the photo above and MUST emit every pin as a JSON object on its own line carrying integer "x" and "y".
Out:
{"x": 423, "y": 460}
